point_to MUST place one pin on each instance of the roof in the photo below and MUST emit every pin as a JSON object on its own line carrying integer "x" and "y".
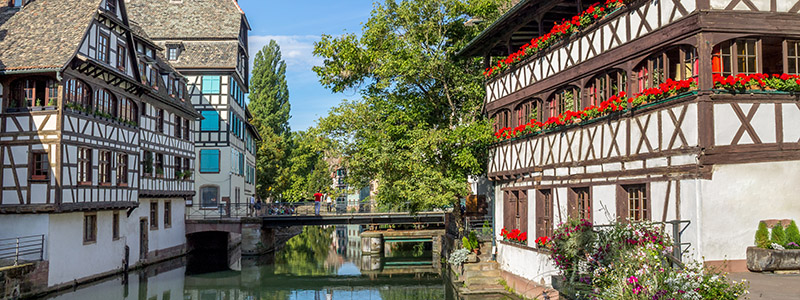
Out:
{"x": 45, "y": 34}
{"x": 207, "y": 54}
{"x": 188, "y": 18}
{"x": 518, "y": 25}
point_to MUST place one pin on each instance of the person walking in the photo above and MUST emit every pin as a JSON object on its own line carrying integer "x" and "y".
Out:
{"x": 317, "y": 199}
{"x": 258, "y": 207}
{"x": 328, "y": 200}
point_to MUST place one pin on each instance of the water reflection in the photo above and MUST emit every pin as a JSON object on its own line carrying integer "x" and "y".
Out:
{"x": 319, "y": 263}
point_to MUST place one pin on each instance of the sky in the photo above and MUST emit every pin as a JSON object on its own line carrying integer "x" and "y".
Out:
{"x": 296, "y": 25}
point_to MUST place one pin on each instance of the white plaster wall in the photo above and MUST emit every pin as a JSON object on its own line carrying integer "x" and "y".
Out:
{"x": 689, "y": 209}
{"x": 161, "y": 238}
{"x": 560, "y": 201}
{"x": 12, "y": 226}
{"x": 221, "y": 179}
{"x": 738, "y": 197}
{"x": 498, "y": 210}
{"x": 604, "y": 198}
{"x": 528, "y": 264}
{"x": 70, "y": 259}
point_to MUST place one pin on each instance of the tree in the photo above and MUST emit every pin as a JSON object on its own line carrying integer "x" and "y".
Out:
{"x": 307, "y": 171}
{"x": 419, "y": 128}
{"x": 269, "y": 104}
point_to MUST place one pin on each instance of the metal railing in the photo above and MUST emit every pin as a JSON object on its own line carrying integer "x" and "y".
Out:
{"x": 481, "y": 225}
{"x": 306, "y": 208}
{"x": 678, "y": 246}
{"x": 23, "y": 248}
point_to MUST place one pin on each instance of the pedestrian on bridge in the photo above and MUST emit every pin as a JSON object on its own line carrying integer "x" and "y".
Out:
{"x": 317, "y": 198}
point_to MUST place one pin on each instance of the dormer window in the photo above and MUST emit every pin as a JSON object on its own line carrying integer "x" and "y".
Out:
{"x": 172, "y": 53}
{"x": 111, "y": 5}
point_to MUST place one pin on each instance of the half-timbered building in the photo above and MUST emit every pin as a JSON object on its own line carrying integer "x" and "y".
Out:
{"x": 717, "y": 160}
{"x": 207, "y": 42}
{"x": 79, "y": 106}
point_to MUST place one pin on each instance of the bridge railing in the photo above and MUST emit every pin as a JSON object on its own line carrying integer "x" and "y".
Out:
{"x": 304, "y": 208}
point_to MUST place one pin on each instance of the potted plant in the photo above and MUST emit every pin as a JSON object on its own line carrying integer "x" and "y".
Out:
{"x": 159, "y": 172}
{"x": 52, "y": 102}
{"x": 471, "y": 242}
{"x": 187, "y": 174}
{"x": 778, "y": 250}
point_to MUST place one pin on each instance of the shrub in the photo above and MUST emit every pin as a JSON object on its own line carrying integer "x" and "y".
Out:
{"x": 458, "y": 257}
{"x": 470, "y": 241}
{"x": 778, "y": 235}
{"x": 762, "y": 236}
{"x": 792, "y": 235}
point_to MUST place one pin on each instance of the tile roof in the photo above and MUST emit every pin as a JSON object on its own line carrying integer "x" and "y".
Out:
{"x": 206, "y": 54}
{"x": 187, "y": 18}
{"x": 44, "y": 34}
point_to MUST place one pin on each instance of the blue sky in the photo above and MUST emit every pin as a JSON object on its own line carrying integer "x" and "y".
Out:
{"x": 296, "y": 25}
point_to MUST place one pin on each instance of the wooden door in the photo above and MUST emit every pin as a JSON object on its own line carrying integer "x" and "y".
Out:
{"x": 509, "y": 210}
{"x": 143, "y": 238}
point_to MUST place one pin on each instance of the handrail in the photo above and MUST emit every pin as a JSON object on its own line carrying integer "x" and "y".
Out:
{"x": 21, "y": 247}
{"x": 303, "y": 208}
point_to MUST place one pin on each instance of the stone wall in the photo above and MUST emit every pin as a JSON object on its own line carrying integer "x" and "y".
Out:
{"x": 23, "y": 280}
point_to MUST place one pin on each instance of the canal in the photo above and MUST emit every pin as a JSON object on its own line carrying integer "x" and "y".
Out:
{"x": 318, "y": 263}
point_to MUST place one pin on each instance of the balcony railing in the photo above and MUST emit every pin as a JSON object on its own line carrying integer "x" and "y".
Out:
{"x": 615, "y": 30}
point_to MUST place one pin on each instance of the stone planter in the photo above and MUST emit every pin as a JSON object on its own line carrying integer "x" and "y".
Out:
{"x": 761, "y": 260}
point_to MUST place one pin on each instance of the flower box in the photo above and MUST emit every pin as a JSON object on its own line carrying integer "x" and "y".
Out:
{"x": 766, "y": 260}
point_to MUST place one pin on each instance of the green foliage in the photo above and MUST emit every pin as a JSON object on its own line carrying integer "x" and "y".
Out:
{"x": 762, "y": 236}
{"x": 306, "y": 171}
{"x": 269, "y": 104}
{"x": 418, "y": 129}
{"x": 778, "y": 235}
{"x": 470, "y": 241}
{"x": 793, "y": 235}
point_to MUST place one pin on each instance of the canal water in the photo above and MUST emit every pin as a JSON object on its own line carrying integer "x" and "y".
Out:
{"x": 320, "y": 263}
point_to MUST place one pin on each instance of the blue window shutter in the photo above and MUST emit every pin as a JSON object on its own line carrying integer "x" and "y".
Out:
{"x": 211, "y": 84}
{"x": 210, "y": 121}
{"x": 241, "y": 163}
{"x": 209, "y": 161}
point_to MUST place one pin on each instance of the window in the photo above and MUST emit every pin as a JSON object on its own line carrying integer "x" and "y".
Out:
{"x": 178, "y": 124}
{"x": 160, "y": 120}
{"x": 40, "y": 165}
{"x": 544, "y": 213}
{"x": 167, "y": 214}
{"x": 633, "y": 203}
{"x": 30, "y": 92}
{"x": 78, "y": 92}
{"x": 122, "y": 52}
{"x": 84, "y": 166}
{"x": 153, "y": 78}
{"x": 115, "y": 226}
{"x": 111, "y": 5}
{"x": 122, "y": 169}
{"x": 147, "y": 163}
{"x": 580, "y": 204}
{"x": 187, "y": 168}
{"x": 565, "y": 99}
{"x": 105, "y": 102}
{"x": 186, "y": 129}
{"x": 178, "y": 168}
{"x": 604, "y": 86}
{"x": 172, "y": 53}
{"x": 209, "y": 161}
{"x": 526, "y": 111}
{"x": 516, "y": 210}
{"x": 209, "y": 196}
{"x": 104, "y": 167}
{"x": 127, "y": 110}
{"x": 210, "y": 120}
{"x": 159, "y": 163}
{"x": 793, "y": 57}
{"x": 102, "y": 47}
{"x": 211, "y": 84}
{"x": 735, "y": 57}
{"x": 502, "y": 119}
{"x": 89, "y": 228}
{"x": 154, "y": 214}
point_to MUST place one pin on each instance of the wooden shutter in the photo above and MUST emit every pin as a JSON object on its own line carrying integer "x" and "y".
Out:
{"x": 523, "y": 210}
{"x": 622, "y": 204}
{"x": 572, "y": 204}
{"x": 509, "y": 210}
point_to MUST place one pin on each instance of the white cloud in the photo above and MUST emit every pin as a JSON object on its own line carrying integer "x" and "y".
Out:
{"x": 296, "y": 50}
